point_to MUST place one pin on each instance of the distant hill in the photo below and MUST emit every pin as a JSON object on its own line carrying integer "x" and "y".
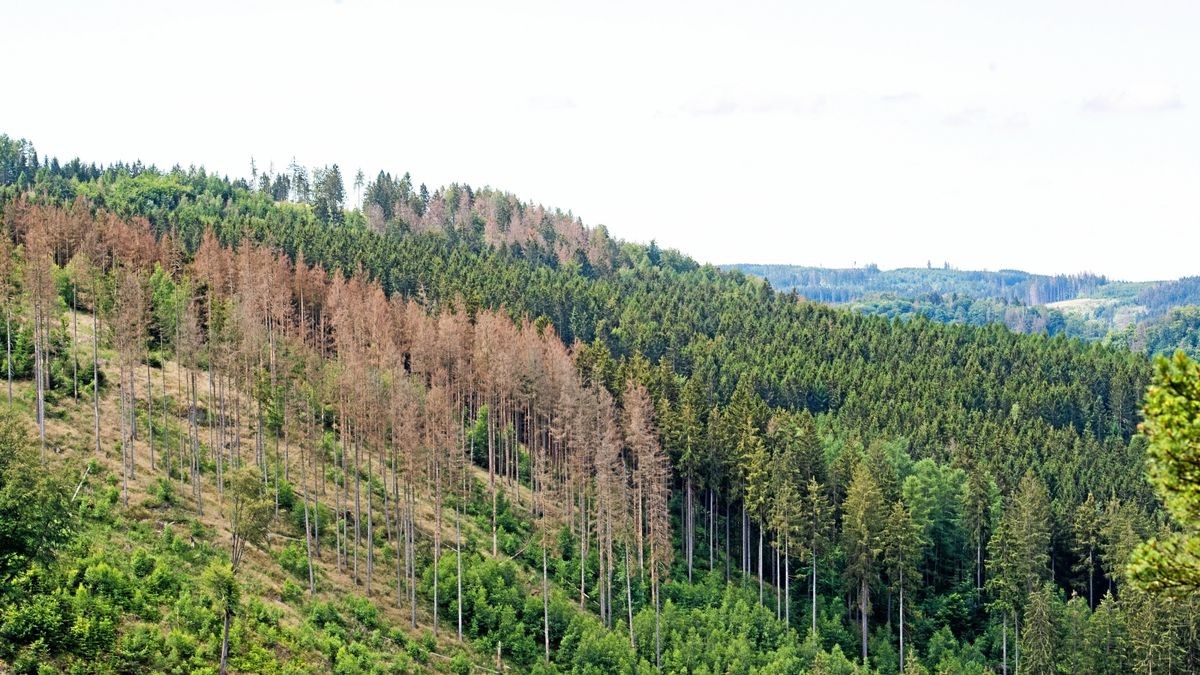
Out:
{"x": 1145, "y": 316}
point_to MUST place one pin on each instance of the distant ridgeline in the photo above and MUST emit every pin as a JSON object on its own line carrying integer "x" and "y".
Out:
{"x": 1151, "y": 316}
{"x": 840, "y": 286}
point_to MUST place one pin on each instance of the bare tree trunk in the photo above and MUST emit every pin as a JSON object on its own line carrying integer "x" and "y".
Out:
{"x": 902, "y": 619}
{"x": 787, "y": 587}
{"x": 38, "y": 368}
{"x": 1004, "y": 645}
{"x": 814, "y": 591}
{"x": 437, "y": 535}
{"x": 778, "y": 584}
{"x": 862, "y": 616}
{"x": 979, "y": 560}
{"x": 583, "y": 549}
{"x": 401, "y": 537}
{"x": 308, "y": 538}
{"x": 1016, "y": 644}
{"x": 727, "y": 514}
{"x": 75, "y": 343}
{"x": 370, "y": 525}
{"x": 124, "y": 439}
{"x": 629, "y": 598}
{"x": 458, "y": 561}
{"x": 657, "y": 621}
{"x": 712, "y": 526}
{"x": 95, "y": 366}
{"x": 545, "y": 600}
{"x": 150, "y": 414}
{"x": 8, "y": 348}
{"x": 357, "y": 499}
{"x": 492, "y": 471}
{"x": 194, "y": 430}
{"x": 760, "y": 565}
{"x": 412, "y": 550}
{"x": 689, "y": 528}
{"x": 225, "y": 644}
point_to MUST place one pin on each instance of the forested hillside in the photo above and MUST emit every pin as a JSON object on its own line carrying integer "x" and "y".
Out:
{"x": 1140, "y": 315}
{"x": 837, "y": 286}
{"x": 451, "y": 429}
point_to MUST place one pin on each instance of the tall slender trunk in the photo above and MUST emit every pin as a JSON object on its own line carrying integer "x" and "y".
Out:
{"x": 727, "y": 514}
{"x": 1004, "y": 645}
{"x": 1091, "y": 579}
{"x": 370, "y": 525}
{"x": 787, "y": 588}
{"x": 492, "y": 472}
{"x": 712, "y": 529}
{"x": 150, "y": 414}
{"x": 760, "y": 565}
{"x": 778, "y": 584}
{"x": 225, "y": 643}
{"x": 8, "y": 352}
{"x": 745, "y": 544}
{"x": 358, "y": 501}
{"x": 194, "y": 430}
{"x": 38, "y": 368}
{"x": 583, "y": 544}
{"x": 902, "y": 620}
{"x": 95, "y": 366}
{"x": 402, "y": 538}
{"x": 308, "y": 538}
{"x": 1016, "y": 644}
{"x": 75, "y": 342}
{"x": 124, "y": 439}
{"x": 629, "y": 598}
{"x": 814, "y": 591}
{"x": 545, "y": 601}
{"x": 690, "y": 528}
{"x": 979, "y": 560}
{"x": 862, "y": 615}
{"x": 412, "y": 550}
{"x": 657, "y": 618}
{"x": 458, "y": 562}
{"x": 437, "y": 535}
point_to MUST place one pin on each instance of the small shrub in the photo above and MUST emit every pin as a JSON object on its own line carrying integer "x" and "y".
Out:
{"x": 293, "y": 559}
{"x": 142, "y": 563}
{"x": 291, "y": 592}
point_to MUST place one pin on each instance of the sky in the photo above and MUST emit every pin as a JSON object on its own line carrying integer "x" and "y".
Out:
{"x": 1052, "y": 137}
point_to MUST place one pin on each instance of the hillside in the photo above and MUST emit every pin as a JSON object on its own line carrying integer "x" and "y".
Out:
{"x": 1084, "y": 305}
{"x": 452, "y": 427}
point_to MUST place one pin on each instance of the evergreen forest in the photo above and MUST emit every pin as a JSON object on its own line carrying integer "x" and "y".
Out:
{"x": 255, "y": 425}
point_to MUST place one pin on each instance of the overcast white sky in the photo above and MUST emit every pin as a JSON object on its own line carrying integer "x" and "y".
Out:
{"x": 1047, "y": 136}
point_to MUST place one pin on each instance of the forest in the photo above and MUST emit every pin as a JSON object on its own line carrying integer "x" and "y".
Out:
{"x": 252, "y": 425}
{"x": 1147, "y": 316}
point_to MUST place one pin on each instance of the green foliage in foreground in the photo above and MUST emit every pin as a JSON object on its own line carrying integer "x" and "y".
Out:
{"x": 1171, "y": 562}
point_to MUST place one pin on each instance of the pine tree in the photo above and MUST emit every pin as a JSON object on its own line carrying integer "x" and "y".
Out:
{"x": 1086, "y": 541}
{"x": 1039, "y": 640}
{"x": 901, "y": 543}
{"x": 814, "y": 531}
{"x": 862, "y": 523}
{"x": 755, "y": 461}
{"x": 1107, "y": 638}
{"x": 980, "y": 497}
{"x": 1172, "y": 563}
{"x": 1005, "y": 576}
